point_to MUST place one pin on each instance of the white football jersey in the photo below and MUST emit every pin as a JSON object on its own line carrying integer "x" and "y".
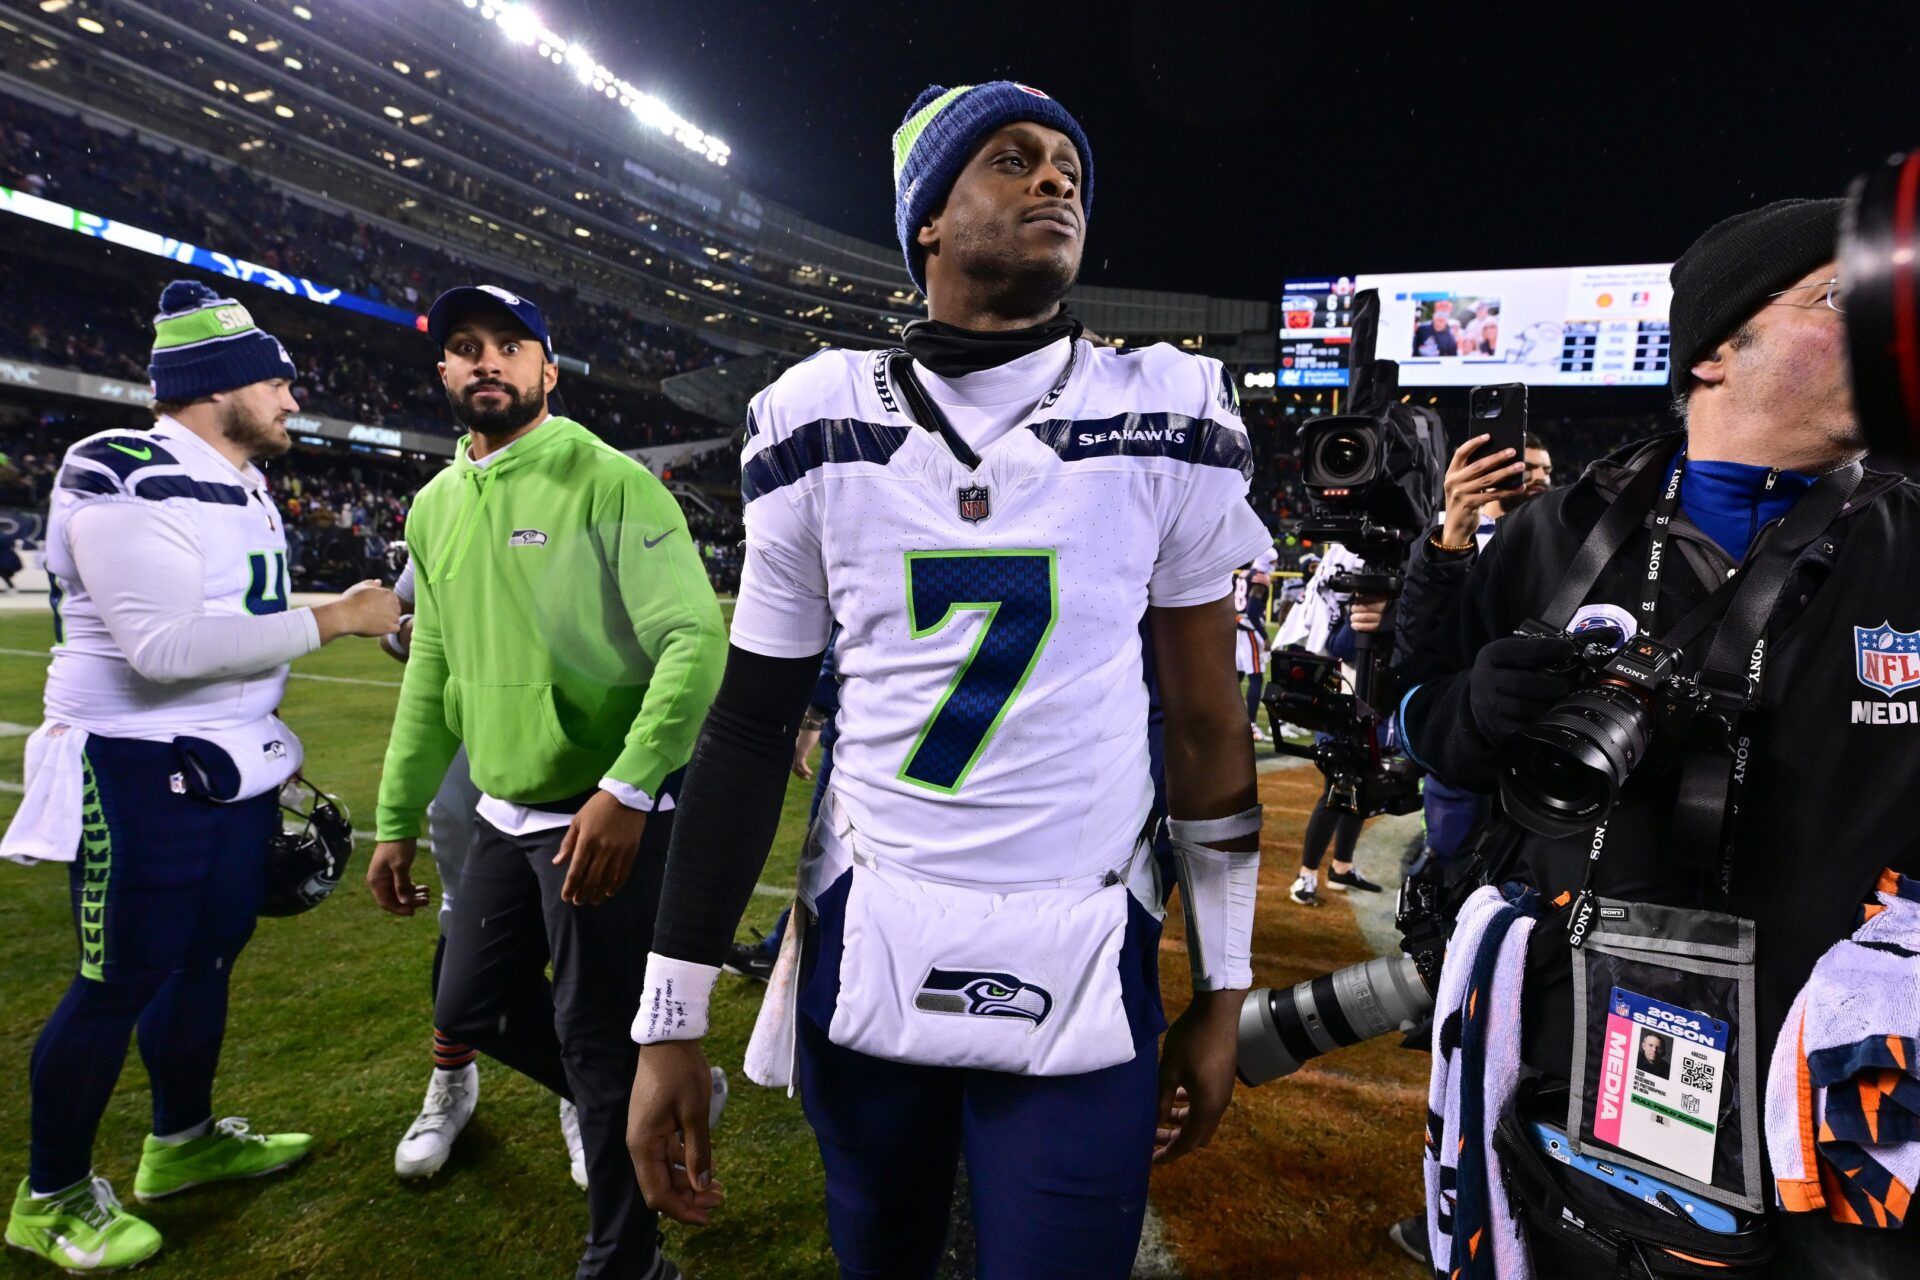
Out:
{"x": 230, "y": 515}
{"x": 993, "y": 709}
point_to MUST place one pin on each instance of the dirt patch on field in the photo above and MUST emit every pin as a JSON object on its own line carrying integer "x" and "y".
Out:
{"x": 1307, "y": 1173}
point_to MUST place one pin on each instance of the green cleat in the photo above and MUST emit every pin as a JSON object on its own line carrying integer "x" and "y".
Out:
{"x": 82, "y": 1230}
{"x": 230, "y": 1151}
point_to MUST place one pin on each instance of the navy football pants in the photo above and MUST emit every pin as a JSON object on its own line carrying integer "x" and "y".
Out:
{"x": 165, "y": 893}
{"x": 1057, "y": 1165}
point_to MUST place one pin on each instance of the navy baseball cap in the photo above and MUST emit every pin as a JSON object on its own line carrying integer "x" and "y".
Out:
{"x": 456, "y": 304}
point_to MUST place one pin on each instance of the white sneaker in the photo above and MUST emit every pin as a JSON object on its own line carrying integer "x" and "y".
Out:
{"x": 451, "y": 1098}
{"x": 1306, "y": 890}
{"x": 1260, "y": 735}
{"x": 576, "y": 1150}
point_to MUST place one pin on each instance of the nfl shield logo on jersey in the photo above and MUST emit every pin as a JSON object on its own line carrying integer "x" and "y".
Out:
{"x": 973, "y": 504}
{"x": 1887, "y": 659}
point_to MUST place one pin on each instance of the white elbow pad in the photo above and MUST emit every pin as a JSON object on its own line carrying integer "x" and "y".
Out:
{"x": 1216, "y": 892}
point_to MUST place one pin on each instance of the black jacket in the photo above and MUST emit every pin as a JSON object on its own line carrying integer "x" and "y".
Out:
{"x": 1432, "y": 583}
{"x": 1832, "y": 794}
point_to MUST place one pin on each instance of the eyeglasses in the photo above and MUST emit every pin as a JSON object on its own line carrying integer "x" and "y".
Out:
{"x": 1834, "y": 298}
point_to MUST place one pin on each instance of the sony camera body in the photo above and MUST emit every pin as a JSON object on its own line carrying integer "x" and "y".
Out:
{"x": 1562, "y": 774}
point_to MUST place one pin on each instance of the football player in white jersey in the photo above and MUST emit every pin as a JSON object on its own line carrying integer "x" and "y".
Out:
{"x": 156, "y": 774}
{"x": 973, "y": 964}
{"x": 1252, "y": 585}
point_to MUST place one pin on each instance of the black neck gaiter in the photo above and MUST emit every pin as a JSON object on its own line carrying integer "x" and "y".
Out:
{"x": 952, "y": 352}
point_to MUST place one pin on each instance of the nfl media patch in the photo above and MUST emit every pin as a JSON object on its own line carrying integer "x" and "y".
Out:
{"x": 1886, "y": 658}
{"x": 981, "y": 993}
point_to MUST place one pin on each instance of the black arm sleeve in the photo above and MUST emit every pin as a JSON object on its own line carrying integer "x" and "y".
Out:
{"x": 1434, "y": 579}
{"x": 730, "y": 804}
{"x": 1439, "y": 723}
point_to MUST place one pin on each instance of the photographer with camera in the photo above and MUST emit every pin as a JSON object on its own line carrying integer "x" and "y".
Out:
{"x": 1730, "y": 772}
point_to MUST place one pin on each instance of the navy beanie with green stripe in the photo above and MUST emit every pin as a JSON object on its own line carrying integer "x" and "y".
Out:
{"x": 203, "y": 343}
{"x": 942, "y": 128}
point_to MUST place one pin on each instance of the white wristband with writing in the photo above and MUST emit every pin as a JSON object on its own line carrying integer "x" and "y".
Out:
{"x": 673, "y": 1000}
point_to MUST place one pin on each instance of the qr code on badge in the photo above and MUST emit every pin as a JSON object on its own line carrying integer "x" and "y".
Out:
{"x": 1695, "y": 1074}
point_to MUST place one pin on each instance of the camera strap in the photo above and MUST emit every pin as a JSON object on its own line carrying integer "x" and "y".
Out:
{"x": 1610, "y": 533}
{"x": 1709, "y": 779}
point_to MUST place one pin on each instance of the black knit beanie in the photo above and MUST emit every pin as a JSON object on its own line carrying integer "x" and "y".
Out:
{"x": 1724, "y": 277}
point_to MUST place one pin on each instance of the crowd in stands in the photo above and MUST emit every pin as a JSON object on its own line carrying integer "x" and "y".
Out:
{"x": 566, "y": 173}
{"x": 236, "y": 212}
{"x": 344, "y": 511}
{"x": 99, "y": 321}
{"x": 26, "y": 474}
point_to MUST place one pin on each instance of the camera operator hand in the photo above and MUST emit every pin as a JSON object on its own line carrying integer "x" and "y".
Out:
{"x": 1369, "y": 613}
{"x": 1518, "y": 679}
{"x": 1469, "y": 488}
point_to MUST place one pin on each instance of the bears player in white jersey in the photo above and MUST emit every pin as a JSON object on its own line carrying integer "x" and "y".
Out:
{"x": 156, "y": 774}
{"x": 988, "y": 516}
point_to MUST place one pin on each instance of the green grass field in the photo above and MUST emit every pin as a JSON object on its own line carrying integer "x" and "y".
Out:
{"x": 329, "y": 1033}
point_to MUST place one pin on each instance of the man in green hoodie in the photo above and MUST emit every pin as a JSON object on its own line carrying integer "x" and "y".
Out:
{"x": 566, "y": 633}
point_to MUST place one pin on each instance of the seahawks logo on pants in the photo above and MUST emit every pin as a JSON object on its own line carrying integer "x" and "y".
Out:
{"x": 982, "y": 993}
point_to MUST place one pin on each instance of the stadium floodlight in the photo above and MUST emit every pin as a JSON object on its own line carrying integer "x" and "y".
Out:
{"x": 582, "y": 63}
{"x": 518, "y": 24}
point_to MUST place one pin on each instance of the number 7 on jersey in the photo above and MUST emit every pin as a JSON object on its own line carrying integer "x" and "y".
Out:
{"x": 1019, "y": 591}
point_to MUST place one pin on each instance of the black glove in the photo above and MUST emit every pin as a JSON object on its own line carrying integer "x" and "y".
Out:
{"x": 1518, "y": 679}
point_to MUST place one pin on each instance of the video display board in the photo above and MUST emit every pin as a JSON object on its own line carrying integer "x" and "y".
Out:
{"x": 1555, "y": 326}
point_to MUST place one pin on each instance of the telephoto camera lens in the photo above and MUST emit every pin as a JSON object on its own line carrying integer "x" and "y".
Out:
{"x": 1282, "y": 1027}
{"x": 1880, "y": 273}
{"x": 1561, "y": 775}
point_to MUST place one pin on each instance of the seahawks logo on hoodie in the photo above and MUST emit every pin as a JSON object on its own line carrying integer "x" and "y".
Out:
{"x": 982, "y": 993}
{"x": 527, "y": 538}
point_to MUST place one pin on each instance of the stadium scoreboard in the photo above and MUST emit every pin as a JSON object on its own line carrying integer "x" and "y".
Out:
{"x": 1316, "y": 332}
{"x": 1554, "y": 327}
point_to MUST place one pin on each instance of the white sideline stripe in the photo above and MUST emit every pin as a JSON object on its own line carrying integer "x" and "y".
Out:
{"x": 8, "y": 729}
{"x": 18, "y": 788}
{"x": 46, "y": 656}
